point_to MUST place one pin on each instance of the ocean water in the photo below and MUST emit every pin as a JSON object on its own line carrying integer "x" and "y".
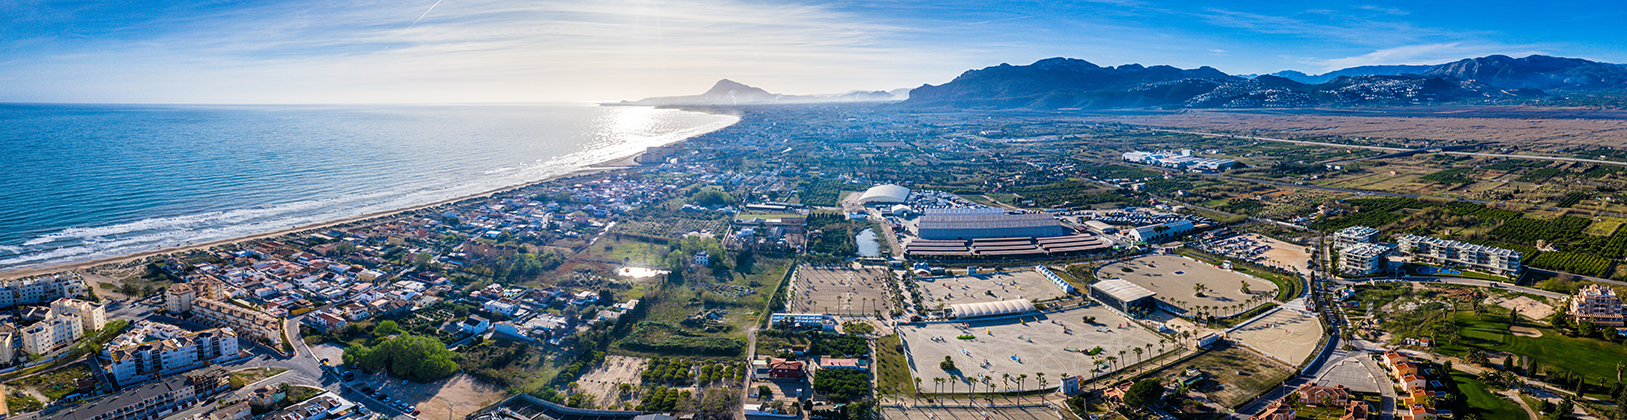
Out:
{"x": 91, "y": 181}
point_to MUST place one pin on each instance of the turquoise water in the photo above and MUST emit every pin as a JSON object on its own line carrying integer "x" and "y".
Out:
{"x": 92, "y": 181}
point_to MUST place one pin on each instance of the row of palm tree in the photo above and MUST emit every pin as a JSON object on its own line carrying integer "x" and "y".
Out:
{"x": 1221, "y": 310}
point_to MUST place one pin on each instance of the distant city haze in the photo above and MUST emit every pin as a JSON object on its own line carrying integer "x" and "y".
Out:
{"x": 476, "y": 51}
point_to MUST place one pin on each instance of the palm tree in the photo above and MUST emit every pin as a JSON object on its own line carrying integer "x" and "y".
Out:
{"x": 1020, "y": 380}
{"x": 1138, "y": 354}
{"x": 1114, "y": 361}
{"x": 939, "y": 382}
{"x": 1041, "y": 376}
{"x": 1007, "y": 377}
{"x": 988, "y": 383}
{"x": 917, "y": 387}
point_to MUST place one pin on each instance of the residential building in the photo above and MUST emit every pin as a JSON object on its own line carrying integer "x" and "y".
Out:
{"x": 54, "y": 332}
{"x": 169, "y": 354}
{"x": 1356, "y": 410}
{"x": 1353, "y": 235}
{"x": 847, "y": 364}
{"x": 178, "y": 298}
{"x": 1598, "y": 304}
{"x": 252, "y": 323}
{"x": 239, "y": 411}
{"x": 785, "y": 369}
{"x": 325, "y": 406}
{"x": 1115, "y": 394}
{"x": 1417, "y": 412}
{"x": 1498, "y": 261}
{"x": 475, "y": 324}
{"x": 91, "y": 316}
{"x": 8, "y": 335}
{"x": 1278, "y": 410}
{"x": 501, "y": 306}
{"x": 1325, "y": 396}
{"x": 40, "y": 290}
{"x": 1364, "y": 259}
{"x": 150, "y": 401}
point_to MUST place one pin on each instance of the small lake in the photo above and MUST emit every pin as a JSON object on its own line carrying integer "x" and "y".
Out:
{"x": 868, "y": 245}
{"x": 639, "y": 272}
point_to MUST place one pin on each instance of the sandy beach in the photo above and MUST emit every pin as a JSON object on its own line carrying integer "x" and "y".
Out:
{"x": 618, "y": 163}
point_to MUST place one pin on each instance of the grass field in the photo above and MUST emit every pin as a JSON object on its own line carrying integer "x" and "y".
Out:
{"x": 1591, "y": 358}
{"x": 1480, "y": 402}
{"x": 892, "y": 370}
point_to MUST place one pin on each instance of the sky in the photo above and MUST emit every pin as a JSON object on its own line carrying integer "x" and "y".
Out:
{"x": 484, "y": 51}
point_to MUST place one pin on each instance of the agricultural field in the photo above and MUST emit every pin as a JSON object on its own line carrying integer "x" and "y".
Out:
{"x": 670, "y": 227}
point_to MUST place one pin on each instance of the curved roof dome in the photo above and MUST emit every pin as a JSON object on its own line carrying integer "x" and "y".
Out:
{"x": 969, "y": 310}
{"x": 888, "y": 193}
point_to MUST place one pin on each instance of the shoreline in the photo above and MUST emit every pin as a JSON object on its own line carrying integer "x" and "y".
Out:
{"x": 613, "y": 164}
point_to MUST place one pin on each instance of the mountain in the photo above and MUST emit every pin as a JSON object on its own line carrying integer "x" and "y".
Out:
{"x": 1353, "y": 71}
{"x": 1069, "y": 83}
{"x": 729, "y": 92}
{"x": 1057, "y": 83}
{"x": 1537, "y": 72}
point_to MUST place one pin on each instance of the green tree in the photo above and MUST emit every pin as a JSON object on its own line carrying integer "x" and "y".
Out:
{"x": 386, "y": 328}
{"x": 1144, "y": 393}
{"x": 418, "y": 358}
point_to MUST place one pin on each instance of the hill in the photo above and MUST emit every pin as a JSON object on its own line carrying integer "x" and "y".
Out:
{"x": 729, "y": 92}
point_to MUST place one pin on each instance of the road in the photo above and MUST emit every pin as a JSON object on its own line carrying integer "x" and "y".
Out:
{"x": 1391, "y": 149}
{"x": 1461, "y": 281}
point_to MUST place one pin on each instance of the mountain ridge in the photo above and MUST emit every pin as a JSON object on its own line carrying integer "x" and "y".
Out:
{"x": 729, "y": 92}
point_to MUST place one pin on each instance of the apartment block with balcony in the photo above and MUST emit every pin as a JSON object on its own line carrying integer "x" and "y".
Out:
{"x": 55, "y": 332}
{"x": 252, "y": 323}
{"x": 91, "y": 316}
{"x": 1364, "y": 259}
{"x": 1498, "y": 261}
{"x": 1598, "y": 304}
{"x": 171, "y": 353}
{"x": 40, "y": 290}
{"x": 1353, "y": 235}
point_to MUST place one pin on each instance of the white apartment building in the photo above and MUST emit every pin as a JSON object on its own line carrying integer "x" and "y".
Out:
{"x": 1598, "y": 304}
{"x": 1498, "y": 261}
{"x": 91, "y": 316}
{"x": 40, "y": 290}
{"x": 1363, "y": 259}
{"x": 55, "y": 331}
{"x": 174, "y": 351}
{"x": 1349, "y": 236}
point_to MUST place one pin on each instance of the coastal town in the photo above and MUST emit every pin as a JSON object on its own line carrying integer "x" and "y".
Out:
{"x": 854, "y": 262}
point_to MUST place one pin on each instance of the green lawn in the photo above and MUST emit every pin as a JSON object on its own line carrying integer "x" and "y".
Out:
{"x": 1479, "y": 401}
{"x": 892, "y": 369}
{"x": 1591, "y": 358}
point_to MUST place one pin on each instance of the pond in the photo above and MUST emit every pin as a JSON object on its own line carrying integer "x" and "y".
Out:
{"x": 639, "y": 272}
{"x": 868, "y": 245}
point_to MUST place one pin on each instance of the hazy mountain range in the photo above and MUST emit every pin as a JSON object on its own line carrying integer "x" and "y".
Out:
{"x": 1066, "y": 83}
{"x": 729, "y": 92}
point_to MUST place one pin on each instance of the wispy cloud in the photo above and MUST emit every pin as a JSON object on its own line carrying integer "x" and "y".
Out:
{"x": 1421, "y": 55}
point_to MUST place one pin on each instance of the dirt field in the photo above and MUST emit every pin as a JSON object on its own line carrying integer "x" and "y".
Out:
{"x": 1288, "y": 334}
{"x": 1015, "y": 284}
{"x": 1172, "y": 278}
{"x": 1287, "y": 255}
{"x": 839, "y": 291}
{"x": 603, "y": 380}
{"x": 924, "y": 412}
{"x": 1236, "y": 373}
{"x": 460, "y": 394}
{"x": 1527, "y": 307}
{"x": 1496, "y": 124}
{"x": 1039, "y": 346}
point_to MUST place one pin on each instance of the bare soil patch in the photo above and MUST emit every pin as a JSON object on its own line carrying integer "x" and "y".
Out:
{"x": 1527, "y": 307}
{"x": 601, "y": 382}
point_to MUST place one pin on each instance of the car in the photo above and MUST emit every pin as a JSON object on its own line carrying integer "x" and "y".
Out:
{"x": 367, "y": 390}
{"x": 414, "y": 412}
{"x": 403, "y": 381}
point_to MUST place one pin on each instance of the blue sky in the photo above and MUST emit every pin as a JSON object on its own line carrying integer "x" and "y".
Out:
{"x": 368, "y": 51}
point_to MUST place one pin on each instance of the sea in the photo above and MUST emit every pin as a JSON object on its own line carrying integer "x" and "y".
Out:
{"x": 83, "y": 182}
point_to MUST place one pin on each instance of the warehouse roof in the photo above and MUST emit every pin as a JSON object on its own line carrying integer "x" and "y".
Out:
{"x": 1123, "y": 290}
{"x": 885, "y": 194}
{"x": 966, "y": 310}
{"x": 984, "y": 219}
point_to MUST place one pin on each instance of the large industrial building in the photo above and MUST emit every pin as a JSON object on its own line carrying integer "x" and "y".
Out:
{"x": 982, "y": 223}
{"x": 885, "y": 194}
{"x": 1179, "y": 160}
{"x": 1123, "y": 295}
{"x": 1024, "y": 247}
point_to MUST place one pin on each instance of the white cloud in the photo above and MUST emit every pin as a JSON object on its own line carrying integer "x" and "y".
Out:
{"x": 1420, "y": 55}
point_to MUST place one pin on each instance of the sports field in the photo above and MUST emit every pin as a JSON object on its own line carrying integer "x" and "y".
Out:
{"x": 1052, "y": 343}
{"x": 1289, "y": 334}
{"x": 1173, "y": 278}
{"x": 841, "y": 291}
{"x": 1021, "y": 283}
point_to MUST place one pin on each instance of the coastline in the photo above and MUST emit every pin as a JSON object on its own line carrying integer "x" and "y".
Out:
{"x": 613, "y": 164}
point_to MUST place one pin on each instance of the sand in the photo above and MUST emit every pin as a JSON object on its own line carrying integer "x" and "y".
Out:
{"x": 1047, "y": 343}
{"x": 601, "y": 167}
{"x": 603, "y": 380}
{"x": 1527, "y": 307}
{"x": 1172, "y": 277}
{"x": 1525, "y": 331}
{"x": 1289, "y": 334}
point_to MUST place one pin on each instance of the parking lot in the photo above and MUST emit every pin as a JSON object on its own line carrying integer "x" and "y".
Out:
{"x": 1019, "y": 283}
{"x": 1053, "y": 343}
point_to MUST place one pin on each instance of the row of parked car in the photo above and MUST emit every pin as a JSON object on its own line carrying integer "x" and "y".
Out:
{"x": 350, "y": 375}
